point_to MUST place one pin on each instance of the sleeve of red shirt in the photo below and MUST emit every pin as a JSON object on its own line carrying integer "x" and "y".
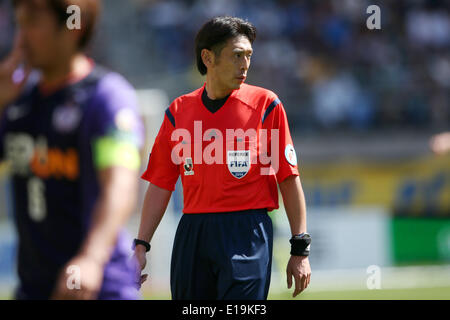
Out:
{"x": 276, "y": 119}
{"x": 161, "y": 171}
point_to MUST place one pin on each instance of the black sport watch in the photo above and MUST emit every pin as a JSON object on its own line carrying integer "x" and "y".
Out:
{"x": 300, "y": 244}
{"x": 141, "y": 242}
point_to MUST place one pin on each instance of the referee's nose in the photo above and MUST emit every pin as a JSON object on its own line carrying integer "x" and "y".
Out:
{"x": 245, "y": 64}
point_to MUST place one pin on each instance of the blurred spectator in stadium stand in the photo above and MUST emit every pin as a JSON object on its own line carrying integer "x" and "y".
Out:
{"x": 428, "y": 26}
{"x": 166, "y": 19}
{"x": 344, "y": 103}
{"x": 396, "y": 77}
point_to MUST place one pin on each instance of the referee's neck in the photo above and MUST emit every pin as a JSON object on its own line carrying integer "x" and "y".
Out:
{"x": 214, "y": 90}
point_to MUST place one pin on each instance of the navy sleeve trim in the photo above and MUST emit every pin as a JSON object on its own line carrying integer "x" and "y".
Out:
{"x": 270, "y": 108}
{"x": 170, "y": 117}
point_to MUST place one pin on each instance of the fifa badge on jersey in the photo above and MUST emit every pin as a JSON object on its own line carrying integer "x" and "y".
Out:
{"x": 238, "y": 163}
{"x": 290, "y": 155}
{"x": 188, "y": 166}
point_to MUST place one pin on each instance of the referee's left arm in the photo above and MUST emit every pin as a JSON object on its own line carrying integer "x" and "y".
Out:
{"x": 287, "y": 175}
{"x": 294, "y": 202}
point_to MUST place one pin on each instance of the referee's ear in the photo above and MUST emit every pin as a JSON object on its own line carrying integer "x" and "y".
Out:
{"x": 207, "y": 58}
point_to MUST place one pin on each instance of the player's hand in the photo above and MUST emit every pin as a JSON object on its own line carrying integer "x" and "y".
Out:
{"x": 299, "y": 269}
{"x": 13, "y": 74}
{"x": 440, "y": 143}
{"x": 139, "y": 254}
{"x": 90, "y": 279}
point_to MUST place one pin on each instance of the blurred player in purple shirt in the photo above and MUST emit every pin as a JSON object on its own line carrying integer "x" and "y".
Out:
{"x": 71, "y": 134}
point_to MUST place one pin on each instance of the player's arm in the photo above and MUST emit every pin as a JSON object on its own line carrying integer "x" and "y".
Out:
{"x": 118, "y": 190}
{"x": 114, "y": 137}
{"x": 113, "y": 208}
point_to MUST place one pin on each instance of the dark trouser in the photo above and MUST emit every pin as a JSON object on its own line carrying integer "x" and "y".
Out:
{"x": 222, "y": 256}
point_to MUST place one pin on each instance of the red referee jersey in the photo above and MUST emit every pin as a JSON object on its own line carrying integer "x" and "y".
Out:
{"x": 229, "y": 160}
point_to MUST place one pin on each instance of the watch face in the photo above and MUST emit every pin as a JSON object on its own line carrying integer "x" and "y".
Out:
{"x": 301, "y": 236}
{"x": 304, "y": 236}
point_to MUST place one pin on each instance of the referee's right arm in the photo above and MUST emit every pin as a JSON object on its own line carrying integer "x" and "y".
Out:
{"x": 155, "y": 204}
{"x": 162, "y": 174}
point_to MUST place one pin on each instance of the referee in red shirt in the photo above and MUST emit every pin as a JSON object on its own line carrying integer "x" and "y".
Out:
{"x": 231, "y": 144}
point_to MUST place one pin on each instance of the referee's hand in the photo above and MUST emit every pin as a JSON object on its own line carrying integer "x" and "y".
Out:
{"x": 139, "y": 253}
{"x": 298, "y": 268}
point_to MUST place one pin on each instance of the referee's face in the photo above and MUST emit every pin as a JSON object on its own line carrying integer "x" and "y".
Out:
{"x": 231, "y": 66}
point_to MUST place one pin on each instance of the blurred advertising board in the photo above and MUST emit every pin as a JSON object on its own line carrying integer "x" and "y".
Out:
{"x": 420, "y": 240}
{"x": 414, "y": 187}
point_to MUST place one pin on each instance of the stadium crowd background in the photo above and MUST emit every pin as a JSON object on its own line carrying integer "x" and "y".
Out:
{"x": 397, "y": 77}
{"x": 362, "y": 105}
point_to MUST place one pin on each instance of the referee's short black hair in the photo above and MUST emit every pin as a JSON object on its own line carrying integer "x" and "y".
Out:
{"x": 216, "y": 32}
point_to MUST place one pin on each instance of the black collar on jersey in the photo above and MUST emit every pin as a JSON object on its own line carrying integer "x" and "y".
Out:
{"x": 213, "y": 105}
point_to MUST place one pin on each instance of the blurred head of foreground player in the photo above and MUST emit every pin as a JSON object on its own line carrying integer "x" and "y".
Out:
{"x": 44, "y": 42}
{"x": 47, "y": 42}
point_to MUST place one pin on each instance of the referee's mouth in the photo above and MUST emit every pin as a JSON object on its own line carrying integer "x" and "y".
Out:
{"x": 241, "y": 78}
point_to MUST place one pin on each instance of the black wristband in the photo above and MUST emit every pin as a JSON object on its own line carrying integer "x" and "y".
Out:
{"x": 300, "y": 245}
{"x": 141, "y": 242}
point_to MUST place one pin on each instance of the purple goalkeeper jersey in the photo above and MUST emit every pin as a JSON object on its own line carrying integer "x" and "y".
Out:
{"x": 50, "y": 143}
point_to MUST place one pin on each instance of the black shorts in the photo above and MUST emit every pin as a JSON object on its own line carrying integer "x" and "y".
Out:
{"x": 222, "y": 256}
